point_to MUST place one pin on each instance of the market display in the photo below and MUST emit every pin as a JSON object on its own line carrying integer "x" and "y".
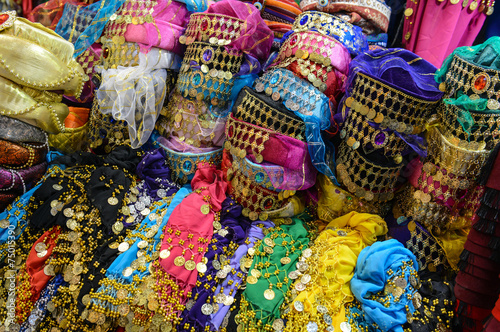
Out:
{"x": 248, "y": 166}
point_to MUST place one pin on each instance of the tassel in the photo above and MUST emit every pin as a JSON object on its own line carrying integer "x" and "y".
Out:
{"x": 494, "y": 243}
{"x": 491, "y": 198}
{"x": 485, "y": 226}
{"x": 488, "y": 166}
{"x": 486, "y": 212}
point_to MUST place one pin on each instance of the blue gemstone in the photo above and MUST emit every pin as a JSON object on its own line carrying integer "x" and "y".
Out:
{"x": 186, "y": 166}
{"x": 304, "y": 20}
{"x": 197, "y": 79}
{"x": 274, "y": 79}
{"x": 259, "y": 177}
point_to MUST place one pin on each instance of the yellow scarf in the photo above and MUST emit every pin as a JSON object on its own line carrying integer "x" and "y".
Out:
{"x": 330, "y": 269}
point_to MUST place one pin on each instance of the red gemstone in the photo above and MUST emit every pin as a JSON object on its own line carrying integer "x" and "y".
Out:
{"x": 3, "y": 18}
{"x": 105, "y": 53}
{"x": 480, "y": 82}
{"x": 204, "y": 25}
{"x": 230, "y": 131}
{"x": 293, "y": 41}
{"x": 268, "y": 203}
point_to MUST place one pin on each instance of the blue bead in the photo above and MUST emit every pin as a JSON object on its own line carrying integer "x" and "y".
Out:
{"x": 259, "y": 177}
{"x": 197, "y": 79}
{"x": 186, "y": 166}
{"x": 304, "y": 20}
{"x": 274, "y": 79}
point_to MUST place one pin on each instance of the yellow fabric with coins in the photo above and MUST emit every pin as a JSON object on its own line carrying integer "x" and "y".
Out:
{"x": 331, "y": 267}
{"x": 335, "y": 201}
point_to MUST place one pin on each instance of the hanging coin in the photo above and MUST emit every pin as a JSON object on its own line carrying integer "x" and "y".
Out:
{"x": 165, "y": 253}
{"x": 269, "y": 294}
{"x": 179, "y": 261}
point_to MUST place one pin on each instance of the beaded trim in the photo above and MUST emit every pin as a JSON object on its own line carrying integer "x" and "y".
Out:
{"x": 241, "y": 137}
{"x": 349, "y": 35}
{"x": 212, "y": 60}
{"x": 216, "y": 29}
{"x": 357, "y": 132}
{"x": 257, "y": 201}
{"x": 309, "y": 49}
{"x": 296, "y": 94}
{"x": 196, "y": 84}
{"x": 378, "y": 10}
{"x": 256, "y": 173}
{"x": 184, "y": 165}
{"x": 253, "y": 110}
{"x": 484, "y": 129}
{"x": 473, "y": 80}
{"x": 131, "y": 12}
{"x": 358, "y": 174}
{"x": 436, "y": 217}
{"x": 387, "y": 106}
{"x": 457, "y": 159}
{"x": 123, "y": 54}
{"x": 190, "y": 121}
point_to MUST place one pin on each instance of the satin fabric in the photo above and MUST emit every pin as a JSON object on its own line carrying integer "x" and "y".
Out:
{"x": 39, "y": 56}
{"x": 37, "y": 279}
{"x": 16, "y": 103}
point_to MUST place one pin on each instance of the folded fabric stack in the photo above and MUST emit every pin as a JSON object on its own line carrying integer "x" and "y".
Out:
{"x": 390, "y": 95}
{"x": 139, "y": 56}
{"x": 31, "y": 97}
{"x": 477, "y": 283}
{"x": 444, "y": 191}
{"x": 371, "y": 16}
{"x": 278, "y": 15}
{"x": 243, "y": 166}
{"x": 225, "y": 47}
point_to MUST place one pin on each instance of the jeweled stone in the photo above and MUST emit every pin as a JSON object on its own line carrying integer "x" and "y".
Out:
{"x": 105, "y": 52}
{"x": 274, "y": 79}
{"x": 186, "y": 165}
{"x": 259, "y": 177}
{"x": 480, "y": 82}
{"x": 304, "y": 20}
{"x": 197, "y": 79}
{"x": 204, "y": 25}
{"x": 207, "y": 55}
{"x": 293, "y": 40}
{"x": 380, "y": 138}
{"x": 268, "y": 203}
{"x": 230, "y": 131}
{"x": 3, "y": 18}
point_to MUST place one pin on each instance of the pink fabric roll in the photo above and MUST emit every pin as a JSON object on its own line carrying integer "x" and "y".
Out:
{"x": 256, "y": 38}
{"x": 169, "y": 20}
{"x": 434, "y": 29}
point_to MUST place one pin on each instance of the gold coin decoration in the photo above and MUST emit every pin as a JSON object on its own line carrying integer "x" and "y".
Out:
{"x": 269, "y": 294}
{"x": 190, "y": 265}
{"x": 205, "y": 209}
{"x": 179, "y": 261}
